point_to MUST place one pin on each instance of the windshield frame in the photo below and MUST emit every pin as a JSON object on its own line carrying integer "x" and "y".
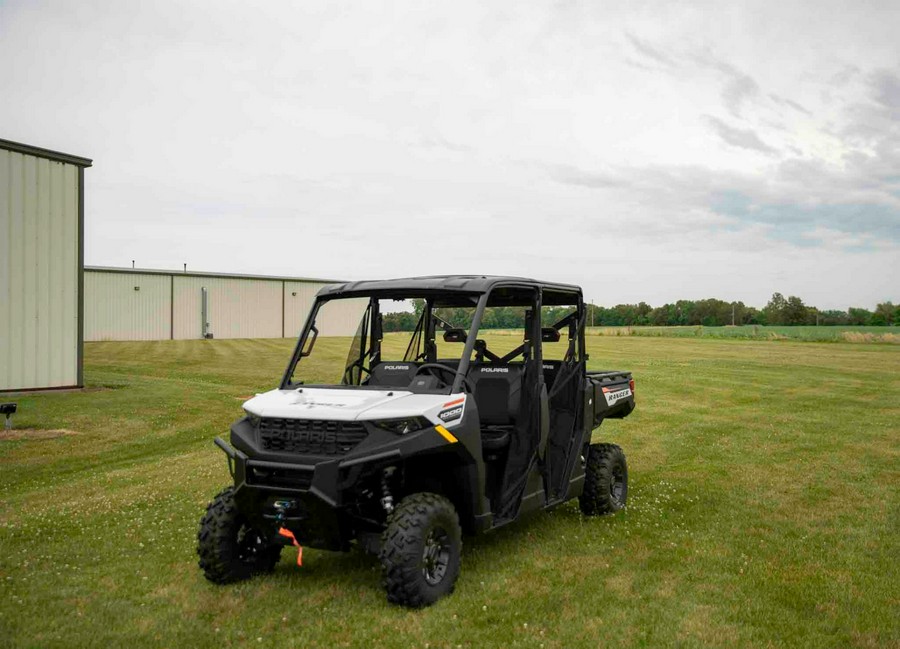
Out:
{"x": 480, "y": 300}
{"x": 373, "y": 313}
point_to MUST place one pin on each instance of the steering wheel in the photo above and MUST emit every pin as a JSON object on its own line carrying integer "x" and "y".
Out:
{"x": 436, "y": 368}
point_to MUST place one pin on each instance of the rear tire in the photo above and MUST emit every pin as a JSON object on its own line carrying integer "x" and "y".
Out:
{"x": 229, "y": 548}
{"x": 420, "y": 550}
{"x": 605, "y": 480}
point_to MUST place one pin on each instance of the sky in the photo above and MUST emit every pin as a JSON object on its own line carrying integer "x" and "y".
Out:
{"x": 646, "y": 151}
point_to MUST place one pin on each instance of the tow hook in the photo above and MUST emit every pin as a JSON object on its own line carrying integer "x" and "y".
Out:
{"x": 285, "y": 510}
{"x": 281, "y": 506}
{"x": 387, "y": 500}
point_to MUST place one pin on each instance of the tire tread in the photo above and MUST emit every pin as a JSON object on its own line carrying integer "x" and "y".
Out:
{"x": 401, "y": 544}
{"x": 596, "y": 500}
{"x": 215, "y": 543}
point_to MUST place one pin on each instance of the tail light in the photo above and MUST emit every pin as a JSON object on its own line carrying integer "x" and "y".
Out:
{"x": 631, "y": 385}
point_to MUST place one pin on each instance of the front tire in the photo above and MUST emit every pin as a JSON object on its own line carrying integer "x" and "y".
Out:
{"x": 605, "y": 480}
{"x": 229, "y": 548}
{"x": 420, "y": 550}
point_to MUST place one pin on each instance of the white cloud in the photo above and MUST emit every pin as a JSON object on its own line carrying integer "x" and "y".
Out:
{"x": 574, "y": 141}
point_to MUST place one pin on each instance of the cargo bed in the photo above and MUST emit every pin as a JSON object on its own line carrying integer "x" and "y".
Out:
{"x": 612, "y": 394}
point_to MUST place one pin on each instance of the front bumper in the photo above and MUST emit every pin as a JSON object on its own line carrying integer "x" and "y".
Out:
{"x": 304, "y": 498}
{"x": 323, "y": 479}
{"x": 318, "y": 497}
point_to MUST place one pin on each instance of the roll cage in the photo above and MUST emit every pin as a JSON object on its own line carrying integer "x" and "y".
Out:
{"x": 440, "y": 292}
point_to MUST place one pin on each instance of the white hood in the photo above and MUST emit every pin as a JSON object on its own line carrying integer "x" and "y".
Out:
{"x": 347, "y": 405}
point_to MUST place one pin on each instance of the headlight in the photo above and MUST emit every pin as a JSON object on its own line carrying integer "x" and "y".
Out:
{"x": 253, "y": 419}
{"x": 404, "y": 425}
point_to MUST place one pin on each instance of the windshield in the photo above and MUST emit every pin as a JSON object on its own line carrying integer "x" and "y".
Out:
{"x": 347, "y": 337}
{"x": 383, "y": 342}
{"x": 333, "y": 342}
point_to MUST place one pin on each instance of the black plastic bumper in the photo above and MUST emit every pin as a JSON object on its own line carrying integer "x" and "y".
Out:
{"x": 322, "y": 480}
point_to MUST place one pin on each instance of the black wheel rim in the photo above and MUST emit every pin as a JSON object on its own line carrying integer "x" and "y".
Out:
{"x": 249, "y": 544}
{"x": 435, "y": 556}
{"x": 617, "y": 485}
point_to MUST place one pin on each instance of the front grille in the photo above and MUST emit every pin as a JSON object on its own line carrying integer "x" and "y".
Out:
{"x": 310, "y": 436}
{"x": 289, "y": 478}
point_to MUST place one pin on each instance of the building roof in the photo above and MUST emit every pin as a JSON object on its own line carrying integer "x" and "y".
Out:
{"x": 441, "y": 283}
{"x": 191, "y": 273}
{"x": 28, "y": 149}
{"x": 471, "y": 284}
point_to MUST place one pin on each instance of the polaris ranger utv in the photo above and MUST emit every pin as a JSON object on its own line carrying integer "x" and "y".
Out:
{"x": 401, "y": 443}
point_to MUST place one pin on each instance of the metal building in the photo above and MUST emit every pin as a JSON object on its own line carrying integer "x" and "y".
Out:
{"x": 142, "y": 304}
{"x": 41, "y": 267}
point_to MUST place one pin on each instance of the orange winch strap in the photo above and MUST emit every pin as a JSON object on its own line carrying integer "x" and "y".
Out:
{"x": 287, "y": 533}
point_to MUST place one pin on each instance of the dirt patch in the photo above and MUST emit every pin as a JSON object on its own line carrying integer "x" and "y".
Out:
{"x": 33, "y": 433}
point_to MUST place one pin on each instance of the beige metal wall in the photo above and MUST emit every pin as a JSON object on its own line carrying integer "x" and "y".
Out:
{"x": 127, "y": 306}
{"x": 340, "y": 317}
{"x": 39, "y": 272}
{"x": 298, "y": 300}
{"x": 169, "y": 305}
{"x": 238, "y": 308}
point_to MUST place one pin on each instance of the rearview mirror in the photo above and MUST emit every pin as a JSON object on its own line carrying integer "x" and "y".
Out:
{"x": 455, "y": 336}
{"x": 549, "y": 335}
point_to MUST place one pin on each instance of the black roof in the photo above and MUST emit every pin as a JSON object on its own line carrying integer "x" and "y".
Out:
{"x": 435, "y": 284}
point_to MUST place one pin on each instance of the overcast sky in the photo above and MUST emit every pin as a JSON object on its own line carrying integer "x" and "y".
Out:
{"x": 649, "y": 151}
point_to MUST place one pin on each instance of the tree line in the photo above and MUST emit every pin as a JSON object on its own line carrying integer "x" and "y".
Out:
{"x": 711, "y": 312}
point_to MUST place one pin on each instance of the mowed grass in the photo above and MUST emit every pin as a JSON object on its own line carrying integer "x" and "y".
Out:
{"x": 849, "y": 334}
{"x": 763, "y": 511}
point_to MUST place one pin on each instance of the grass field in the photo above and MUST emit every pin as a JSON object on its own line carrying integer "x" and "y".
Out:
{"x": 760, "y": 332}
{"x": 763, "y": 511}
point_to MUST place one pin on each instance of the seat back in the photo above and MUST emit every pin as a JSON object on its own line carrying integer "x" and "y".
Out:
{"x": 498, "y": 390}
{"x": 393, "y": 374}
{"x": 551, "y": 369}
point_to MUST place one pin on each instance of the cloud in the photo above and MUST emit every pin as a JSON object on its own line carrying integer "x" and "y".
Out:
{"x": 886, "y": 87}
{"x": 739, "y": 137}
{"x": 570, "y": 175}
{"x": 783, "y": 101}
{"x": 442, "y": 143}
{"x": 800, "y": 224}
{"x": 739, "y": 87}
{"x": 649, "y": 52}
{"x": 596, "y": 145}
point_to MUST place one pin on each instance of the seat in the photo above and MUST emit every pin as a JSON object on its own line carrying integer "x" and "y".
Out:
{"x": 393, "y": 374}
{"x": 495, "y": 439}
{"x": 498, "y": 391}
{"x": 551, "y": 369}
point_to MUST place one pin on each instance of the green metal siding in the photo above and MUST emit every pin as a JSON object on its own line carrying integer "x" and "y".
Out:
{"x": 168, "y": 305}
{"x": 39, "y": 272}
{"x": 126, "y": 306}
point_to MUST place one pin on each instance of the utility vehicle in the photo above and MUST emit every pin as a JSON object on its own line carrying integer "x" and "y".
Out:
{"x": 401, "y": 443}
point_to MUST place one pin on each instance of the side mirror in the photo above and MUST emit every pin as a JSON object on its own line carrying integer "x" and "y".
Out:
{"x": 549, "y": 335}
{"x": 455, "y": 336}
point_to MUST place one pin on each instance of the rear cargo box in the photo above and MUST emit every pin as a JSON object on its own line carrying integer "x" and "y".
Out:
{"x": 612, "y": 395}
